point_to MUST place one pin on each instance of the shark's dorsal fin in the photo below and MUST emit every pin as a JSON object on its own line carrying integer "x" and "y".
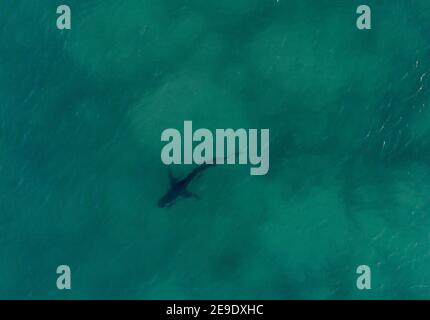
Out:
{"x": 172, "y": 179}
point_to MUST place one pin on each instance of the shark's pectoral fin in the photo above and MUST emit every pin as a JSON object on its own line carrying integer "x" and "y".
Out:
{"x": 170, "y": 204}
{"x": 172, "y": 179}
{"x": 188, "y": 194}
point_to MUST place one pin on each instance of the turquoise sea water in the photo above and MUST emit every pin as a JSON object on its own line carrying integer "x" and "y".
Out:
{"x": 81, "y": 113}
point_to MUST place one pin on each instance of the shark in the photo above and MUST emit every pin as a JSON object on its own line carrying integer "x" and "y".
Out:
{"x": 178, "y": 187}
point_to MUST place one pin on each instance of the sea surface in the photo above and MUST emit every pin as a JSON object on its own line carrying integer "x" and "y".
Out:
{"x": 82, "y": 111}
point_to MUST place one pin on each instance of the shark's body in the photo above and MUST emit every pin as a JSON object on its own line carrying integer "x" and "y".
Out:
{"x": 178, "y": 187}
